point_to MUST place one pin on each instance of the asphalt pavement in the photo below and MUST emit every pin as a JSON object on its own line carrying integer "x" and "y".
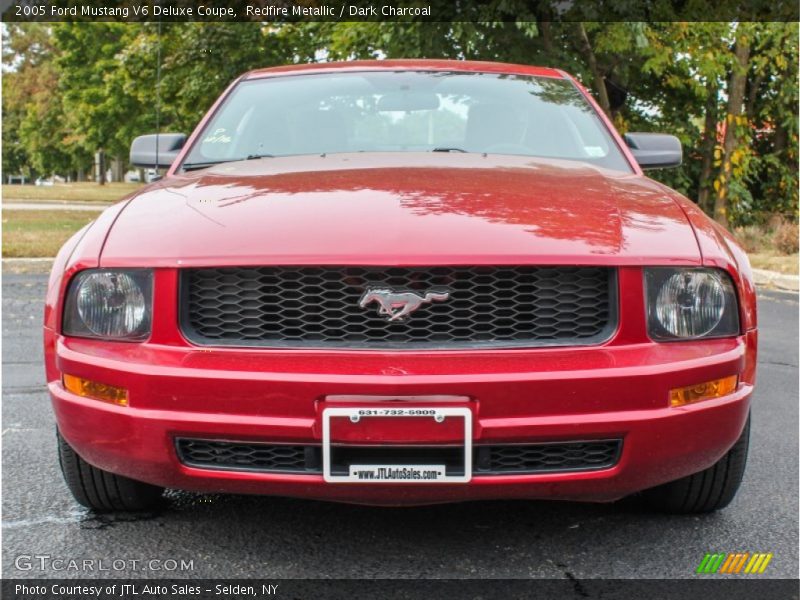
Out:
{"x": 248, "y": 536}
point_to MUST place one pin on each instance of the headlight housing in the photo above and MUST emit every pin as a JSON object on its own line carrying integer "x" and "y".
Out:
{"x": 110, "y": 304}
{"x": 690, "y": 303}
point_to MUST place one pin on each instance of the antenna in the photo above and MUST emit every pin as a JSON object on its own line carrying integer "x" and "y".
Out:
{"x": 158, "y": 92}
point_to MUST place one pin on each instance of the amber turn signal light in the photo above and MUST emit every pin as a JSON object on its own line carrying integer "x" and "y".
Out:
{"x": 97, "y": 391}
{"x": 703, "y": 391}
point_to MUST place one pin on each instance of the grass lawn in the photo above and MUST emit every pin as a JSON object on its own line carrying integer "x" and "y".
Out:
{"x": 69, "y": 192}
{"x": 772, "y": 262}
{"x": 35, "y": 233}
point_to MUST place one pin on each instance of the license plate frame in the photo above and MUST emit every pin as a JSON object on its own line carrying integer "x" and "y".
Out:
{"x": 357, "y": 413}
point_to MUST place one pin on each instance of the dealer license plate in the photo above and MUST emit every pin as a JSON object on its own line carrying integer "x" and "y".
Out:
{"x": 397, "y": 472}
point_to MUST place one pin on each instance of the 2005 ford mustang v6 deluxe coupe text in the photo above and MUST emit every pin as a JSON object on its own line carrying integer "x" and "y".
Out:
{"x": 403, "y": 282}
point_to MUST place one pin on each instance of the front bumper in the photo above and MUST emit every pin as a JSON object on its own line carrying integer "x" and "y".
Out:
{"x": 525, "y": 396}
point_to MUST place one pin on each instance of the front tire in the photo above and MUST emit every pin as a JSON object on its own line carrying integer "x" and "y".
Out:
{"x": 100, "y": 490}
{"x": 707, "y": 490}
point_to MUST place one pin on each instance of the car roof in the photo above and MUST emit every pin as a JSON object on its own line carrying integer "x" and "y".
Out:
{"x": 469, "y": 66}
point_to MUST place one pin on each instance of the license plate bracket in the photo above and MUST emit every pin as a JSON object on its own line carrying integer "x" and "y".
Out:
{"x": 399, "y": 472}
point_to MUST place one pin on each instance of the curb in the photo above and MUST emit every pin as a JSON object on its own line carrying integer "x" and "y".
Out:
{"x": 773, "y": 279}
{"x": 29, "y": 260}
{"x": 28, "y": 266}
{"x": 55, "y": 205}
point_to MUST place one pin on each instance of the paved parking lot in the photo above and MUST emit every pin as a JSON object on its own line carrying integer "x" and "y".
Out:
{"x": 239, "y": 536}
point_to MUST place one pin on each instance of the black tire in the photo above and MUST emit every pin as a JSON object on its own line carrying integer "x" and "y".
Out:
{"x": 103, "y": 491}
{"x": 707, "y": 490}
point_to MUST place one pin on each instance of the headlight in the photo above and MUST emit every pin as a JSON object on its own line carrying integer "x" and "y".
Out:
{"x": 690, "y": 303}
{"x": 110, "y": 304}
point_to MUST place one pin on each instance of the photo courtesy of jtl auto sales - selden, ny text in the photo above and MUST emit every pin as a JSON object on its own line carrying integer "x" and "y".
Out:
{"x": 400, "y": 299}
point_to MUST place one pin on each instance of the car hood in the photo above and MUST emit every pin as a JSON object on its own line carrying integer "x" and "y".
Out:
{"x": 402, "y": 208}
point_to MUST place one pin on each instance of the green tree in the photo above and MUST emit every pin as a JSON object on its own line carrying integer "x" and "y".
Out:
{"x": 94, "y": 103}
{"x": 728, "y": 91}
{"x": 35, "y": 139}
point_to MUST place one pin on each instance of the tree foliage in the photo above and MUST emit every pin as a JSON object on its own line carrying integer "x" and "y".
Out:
{"x": 35, "y": 137}
{"x": 728, "y": 91}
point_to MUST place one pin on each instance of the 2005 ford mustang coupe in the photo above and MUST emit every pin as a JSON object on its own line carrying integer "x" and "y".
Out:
{"x": 403, "y": 282}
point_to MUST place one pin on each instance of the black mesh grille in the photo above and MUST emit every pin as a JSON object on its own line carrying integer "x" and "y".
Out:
{"x": 242, "y": 456}
{"x": 316, "y": 306}
{"x": 488, "y": 460}
{"x": 539, "y": 458}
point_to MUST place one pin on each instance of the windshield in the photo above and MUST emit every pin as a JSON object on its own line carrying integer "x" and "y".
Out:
{"x": 406, "y": 111}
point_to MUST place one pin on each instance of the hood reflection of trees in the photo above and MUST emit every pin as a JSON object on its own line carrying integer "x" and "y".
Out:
{"x": 576, "y": 203}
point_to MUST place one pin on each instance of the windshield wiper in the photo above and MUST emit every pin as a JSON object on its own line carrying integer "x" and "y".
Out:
{"x": 211, "y": 163}
{"x": 448, "y": 150}
{"x": 201, "y": 165}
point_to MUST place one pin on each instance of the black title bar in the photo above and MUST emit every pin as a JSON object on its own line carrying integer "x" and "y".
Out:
{"x": 401, "y": 10}
{"x": 699, "y": 588}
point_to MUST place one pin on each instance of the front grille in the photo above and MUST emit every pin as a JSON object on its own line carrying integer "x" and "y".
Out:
{"x": 243, "y": 456}
{"x": 539, "y": 458}
{"x": 488, "y": 460}
{"x": 319, "y": 306}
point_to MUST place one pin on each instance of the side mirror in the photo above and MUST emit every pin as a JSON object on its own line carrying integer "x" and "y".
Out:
{"x": 655, "y": 150}
{"x": 143, "y": 150}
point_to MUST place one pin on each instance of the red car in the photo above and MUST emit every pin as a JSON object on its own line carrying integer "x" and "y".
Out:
{"x": 403, "y": 282}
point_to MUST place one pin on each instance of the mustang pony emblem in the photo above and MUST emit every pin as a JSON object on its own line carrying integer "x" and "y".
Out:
{"x": 397, "y": 305}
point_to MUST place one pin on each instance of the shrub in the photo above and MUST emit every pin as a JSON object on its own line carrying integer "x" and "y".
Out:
{"x": 785, "y": 237}
{"x": 753, "y": 238}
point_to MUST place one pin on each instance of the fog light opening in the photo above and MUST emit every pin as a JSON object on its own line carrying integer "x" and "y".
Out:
{"x": 703, "y": 391}
{"x": 87, "y": 388}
